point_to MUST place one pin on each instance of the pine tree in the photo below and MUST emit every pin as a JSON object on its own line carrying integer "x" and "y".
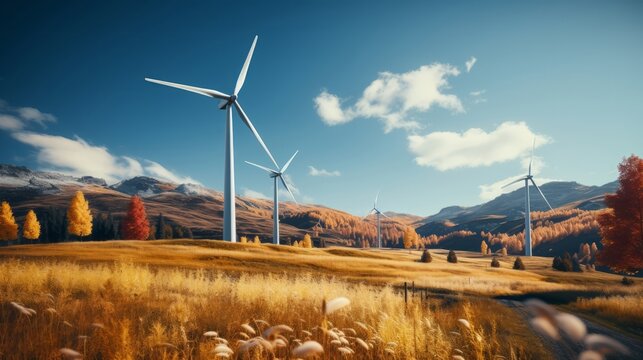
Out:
{"x": 295, "y": 243}
{"x": 8, "y": 226}
{"x": 483, "y": 247}
{"x": 307, "y": 242}
{"x": 31, "y": 227}
{"x": 135, "y": 225}
{"x": 518, "y": 264}
{"x": 160, "y": 227}
{"x": 79, "y": 216}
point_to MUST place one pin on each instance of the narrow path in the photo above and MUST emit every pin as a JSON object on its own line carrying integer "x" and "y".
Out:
{"x": 566, "y": 349}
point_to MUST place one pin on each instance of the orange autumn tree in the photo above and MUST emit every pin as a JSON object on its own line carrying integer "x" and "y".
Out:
{"x": 31, "y": 227}
{"x": 622, "y": 224}
{"x": 135, "y": 225}
{"x": 79, "y": 217}
{"x": 8, "y": 226}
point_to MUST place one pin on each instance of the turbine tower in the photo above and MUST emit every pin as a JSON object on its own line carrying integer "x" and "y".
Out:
{"x": 277, "y": 174}
{"x": 527, "y": 178}
{"x": 377, "y": 212}
{"x": 227, "y": 102}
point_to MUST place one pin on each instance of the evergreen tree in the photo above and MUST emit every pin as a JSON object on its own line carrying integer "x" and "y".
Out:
{"x": 160, "y": 227}
{"x": 483, "y": 247}
{"x": 426, "y": 257}
{"x": 518, "y": 264}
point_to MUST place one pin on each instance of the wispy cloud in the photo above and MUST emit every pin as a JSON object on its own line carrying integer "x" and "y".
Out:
{"x": 313, "y": 171}
{"x": 445, "y": 150}
{"x": 75, "y": 155}
{"x": 469, "y": 64}
{"x": 491, "y": 191}
{"x": 394, "y": 98}
{"x": 254, "y": 194}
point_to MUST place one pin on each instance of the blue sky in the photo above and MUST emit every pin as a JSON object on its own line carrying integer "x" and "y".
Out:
{"x": 379, "y": 95}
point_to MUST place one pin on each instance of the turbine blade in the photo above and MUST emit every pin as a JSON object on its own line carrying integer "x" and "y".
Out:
{"x": 263, "y": 168}
{"x": 289, "y": 161}
{"x": 541, "y": 194}
{"x": 513, "y": 182}
{"x": 287, "y": 188}
{"x": 370, "y": 212}
{"x": 376, "y": 197}
{"x": 244, "y": 70}
{"x": 532, "y": 155}
{"x": 248, "y": 123}
{"x": 194, "y": 89}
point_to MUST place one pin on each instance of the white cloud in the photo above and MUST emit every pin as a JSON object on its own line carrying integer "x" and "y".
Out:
{"x": 477, "y": 92}
{"x": 491, "y": 191}
{"x": 446, "y": 150}
{"x": 33, "y": 114}
{"x": 254, "y": 194}
{"x": 394, "y": 98}
{"x": 158, "y": 171}
{"x": 469, "y": 64}
{"x": 10, "y": 123}
{"x": 77, "y": 157}
{"x": 313, "y": 171}
{"x": 477, "y": 96}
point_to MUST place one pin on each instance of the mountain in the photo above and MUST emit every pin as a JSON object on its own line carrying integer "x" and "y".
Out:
{"x": 499, "y": 221}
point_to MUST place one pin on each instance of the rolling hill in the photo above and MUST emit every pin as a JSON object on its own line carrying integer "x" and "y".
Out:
{"x": 498, "y": 221}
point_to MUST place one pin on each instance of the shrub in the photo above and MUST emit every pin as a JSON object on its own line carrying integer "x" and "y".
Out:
{"x": 627, "y": 281}
{"x": 243, "y": 240}
{"x": 495, "y": 263}
{"x": 518, "y": 264}
{"x": 576, "y": 264}
{"x": 426, "y": 257}
{"x": 452, "y": 257}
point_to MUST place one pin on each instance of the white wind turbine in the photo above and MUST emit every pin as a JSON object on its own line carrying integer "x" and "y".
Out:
{"x": 277, "y": 174}
{"x": 376, "y": 211}
{"x": 527, "y": 178}
{"x": 228, "y": 101}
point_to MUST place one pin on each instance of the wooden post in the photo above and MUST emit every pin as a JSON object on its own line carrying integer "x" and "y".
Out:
{"x": 413, "y": 289}
{"x": 406, "y": 290}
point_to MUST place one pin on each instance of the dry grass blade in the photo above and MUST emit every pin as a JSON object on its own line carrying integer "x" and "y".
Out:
{"x": 210, "y": 334}
{"x": 571, "y": 326}
{"x": 273, "y": 331}
{"x": 465, "y": 323}
{"x": 590, "y": 355}
{"x": 248, "y": 329}
{"x": 362, "y": 343}
{"x": 544, "y": 326}
{"x": 70, "y": 354}
{"x": 605, "y": 344}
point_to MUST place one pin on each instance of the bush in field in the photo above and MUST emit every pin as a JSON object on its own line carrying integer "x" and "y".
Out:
{"x": 563, "y": 263}
{"x": 576, "y": 264}
{"x": 243, "y": 240}
{"x": 495, "y": 263}
{"x": 426, "y": 257}
{"x": 627, "y": 281}
{"x": 518, "y": 264}
{"x": 452, "y": 257}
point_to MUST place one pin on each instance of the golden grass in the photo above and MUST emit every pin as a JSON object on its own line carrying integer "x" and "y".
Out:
{"x": 625, "y": 310}
{"x": 125, "y": 311}
{"x": 472, "y": 275}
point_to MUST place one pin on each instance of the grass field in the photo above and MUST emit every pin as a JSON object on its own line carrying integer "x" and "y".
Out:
{"x": 150, "y": 300}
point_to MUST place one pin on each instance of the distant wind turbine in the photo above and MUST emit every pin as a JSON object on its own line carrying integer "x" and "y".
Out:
{"x": 376, "y": 211}
{"x": 527, "y": 178}
{"x": 277, "y": 174}
{"x": 229, "y": 216}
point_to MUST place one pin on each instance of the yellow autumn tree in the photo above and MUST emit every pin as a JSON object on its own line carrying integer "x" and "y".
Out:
{"x": 307, "y": 242}
{"x": 410, "y": 238}
{"x": 79, "y": 217}
{"x": 504, "y": 251}
{"x": 243, "y": 240}
{"x": 295, "y": 243}
{"x": 31, "y": 227}
{"x": 8, "y": 226}
{"x": 483, "y": 247}
{"x": 257, "y": 241}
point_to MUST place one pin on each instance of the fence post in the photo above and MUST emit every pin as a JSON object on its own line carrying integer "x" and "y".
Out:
{"x": 406, "y": 296}
{"x": 413, "y": 289}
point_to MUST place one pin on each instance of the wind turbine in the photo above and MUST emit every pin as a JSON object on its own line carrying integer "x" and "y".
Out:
{"x": 227, "y": 102}
{"x": 277, "y": 174}
{"x": 527, "y": 178}
{"x": 376, "y": 211}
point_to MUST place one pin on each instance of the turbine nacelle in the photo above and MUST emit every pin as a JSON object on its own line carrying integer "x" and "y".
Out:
{"x": 229, "y": 102}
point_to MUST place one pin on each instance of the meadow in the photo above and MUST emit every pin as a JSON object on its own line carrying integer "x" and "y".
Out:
{"x": 210, "y": 299}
